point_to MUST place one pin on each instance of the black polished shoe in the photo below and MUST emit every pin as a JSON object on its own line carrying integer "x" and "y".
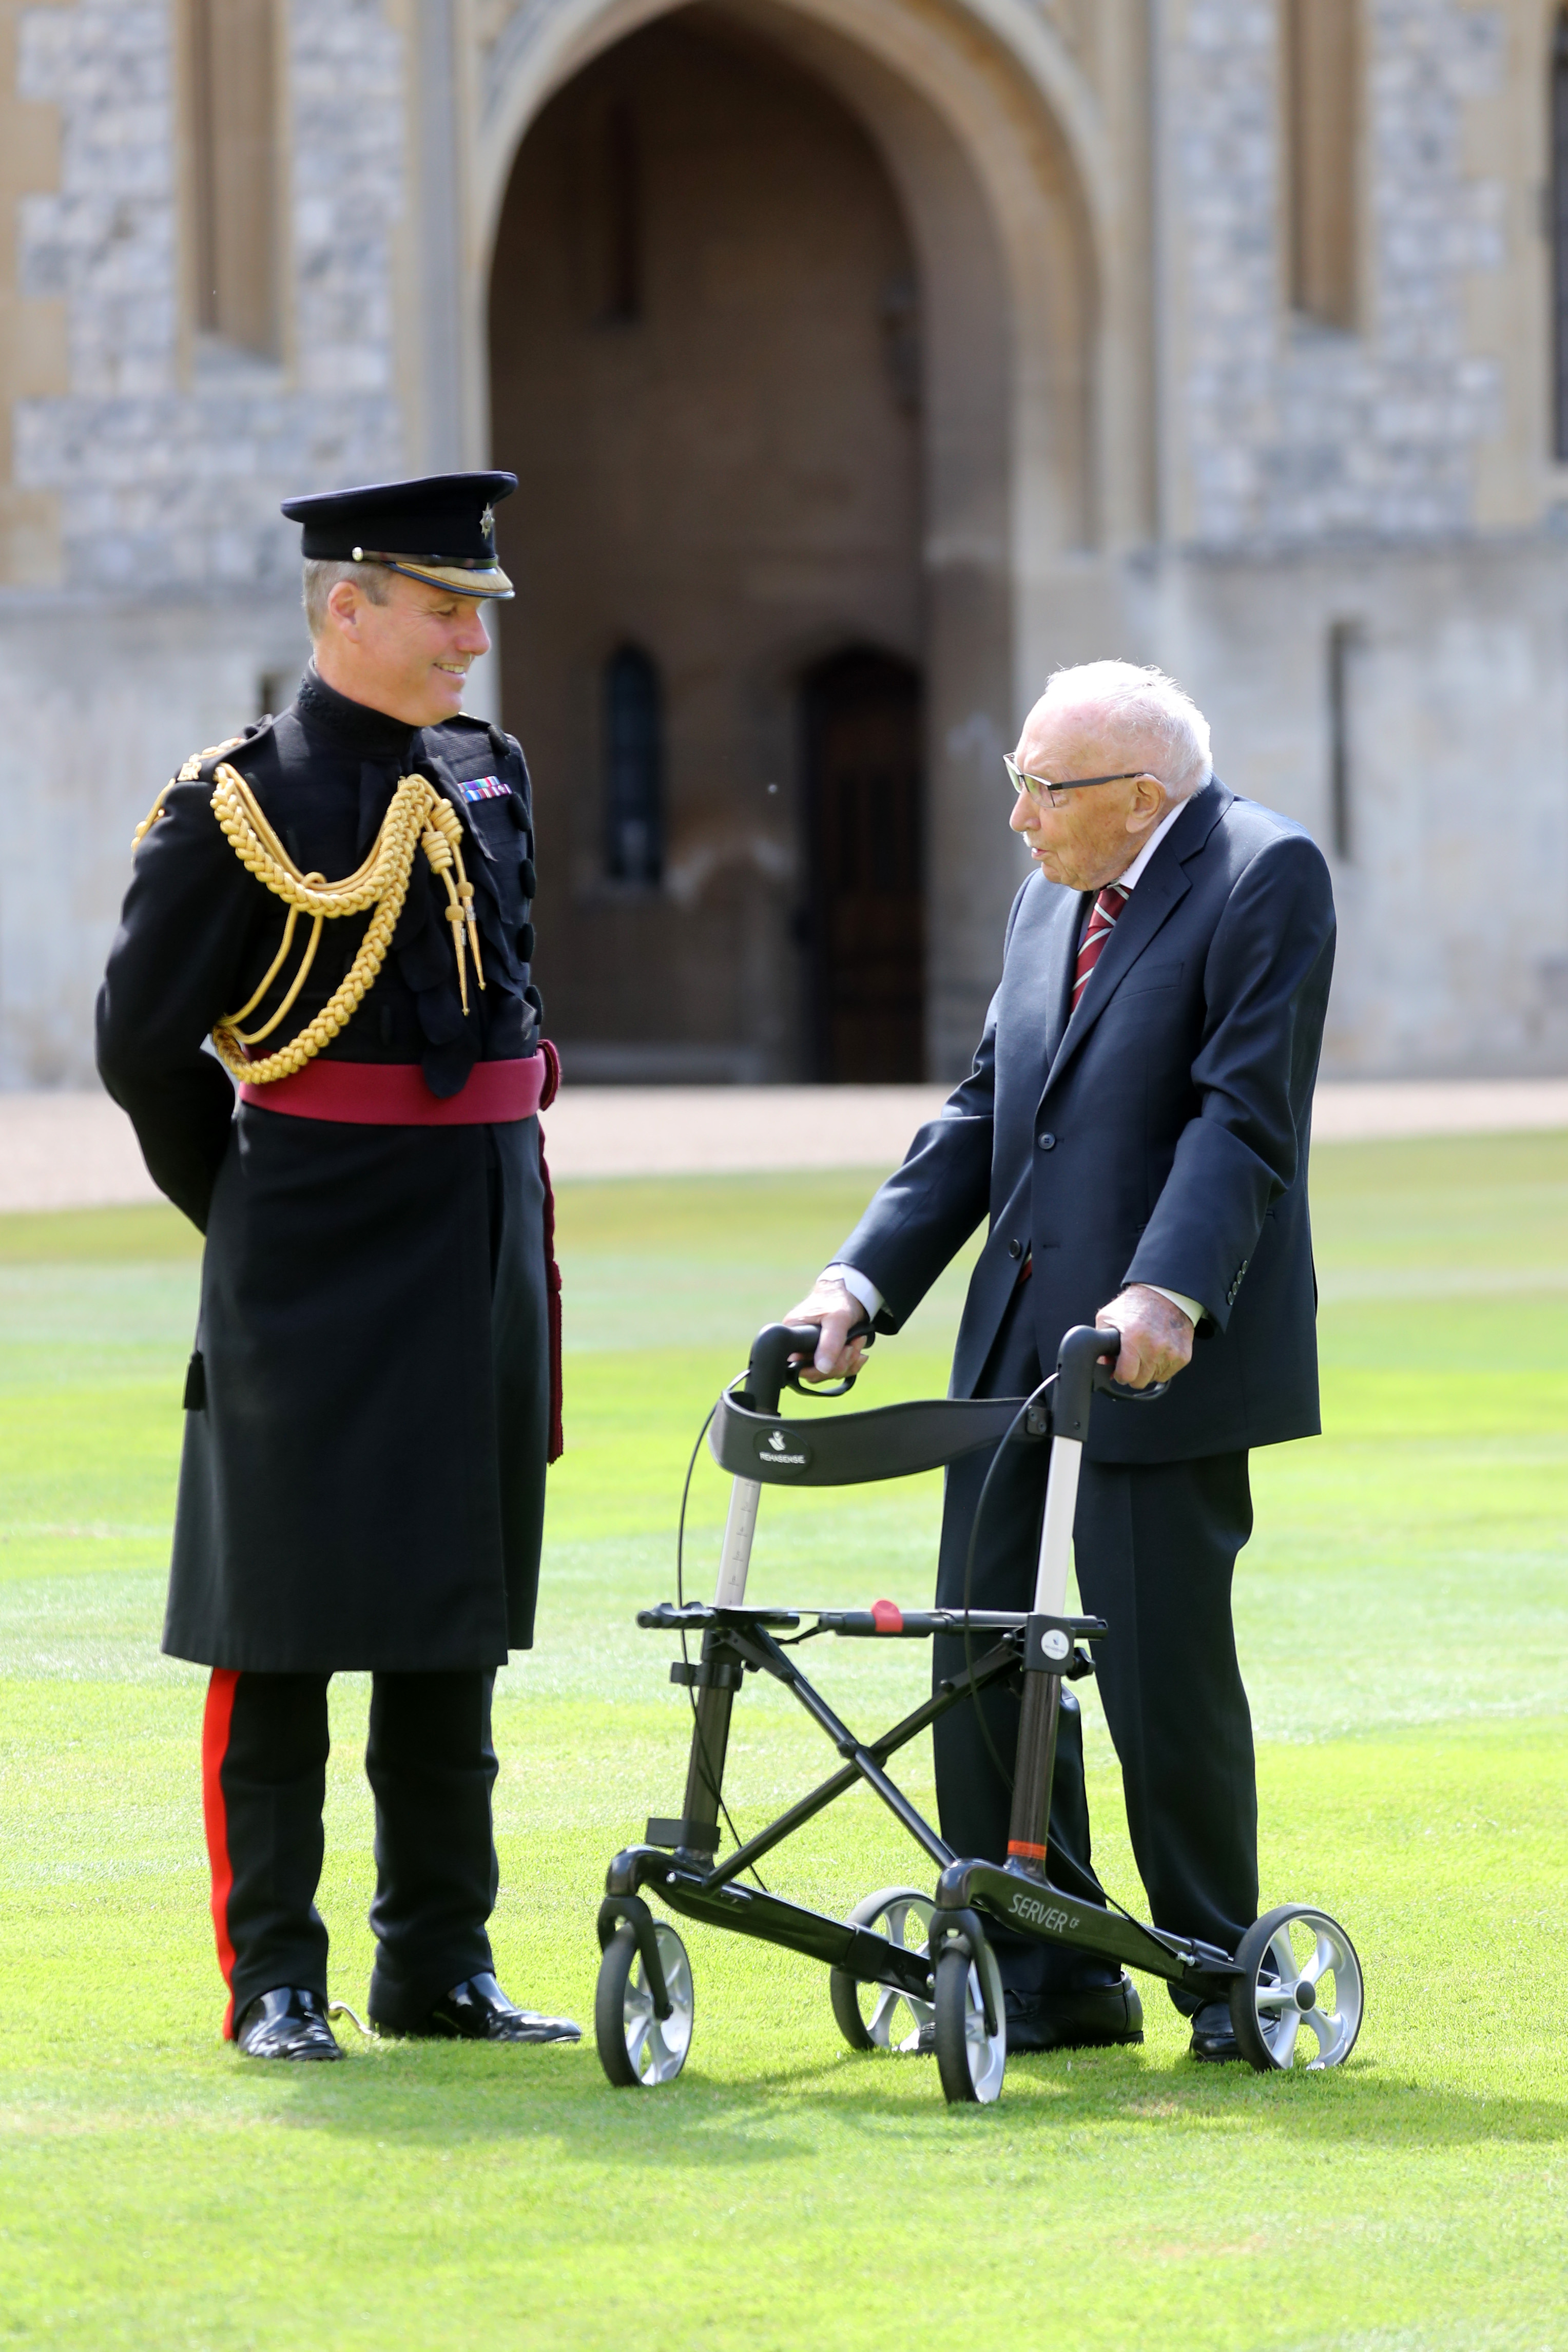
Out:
{"x": 1213, "y": 2035}
{"x": 285, "y": 2023}
{"x": 1096, "y": 2019}
{"x": 479, "y": 2010}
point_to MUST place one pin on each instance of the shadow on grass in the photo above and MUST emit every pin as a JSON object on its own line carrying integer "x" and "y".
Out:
{"x": 456, "y": 2098}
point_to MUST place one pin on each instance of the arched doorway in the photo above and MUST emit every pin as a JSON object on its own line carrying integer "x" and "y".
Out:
{"x": 983, "y": 146}
{"x": 705, "y": 371}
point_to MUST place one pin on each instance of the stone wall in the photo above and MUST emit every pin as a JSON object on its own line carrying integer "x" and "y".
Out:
{"x": 169, "y": 602}
{"x": 169, "y": 454}
{"x": 1296, "y": 432}
{"x": 1453, "y": 901}
{"x": 102, "y": 698}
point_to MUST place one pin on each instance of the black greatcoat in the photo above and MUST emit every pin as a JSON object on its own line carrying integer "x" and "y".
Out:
{"x": 362, "y": 1482}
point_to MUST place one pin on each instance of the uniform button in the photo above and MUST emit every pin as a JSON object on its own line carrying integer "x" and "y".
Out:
{"x": 1015, "y": 1249}
{"x": 528, "y": 878}
{"x": 1048, "y": 1143}
{"x": 526, "y": 942}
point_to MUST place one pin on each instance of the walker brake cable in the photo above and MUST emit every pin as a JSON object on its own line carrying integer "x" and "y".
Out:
{"x": 685, "y": 1656}
{"x": 1019, "y": 1416}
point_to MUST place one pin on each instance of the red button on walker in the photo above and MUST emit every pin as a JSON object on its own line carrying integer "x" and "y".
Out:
{"x": 887, "y": 1616}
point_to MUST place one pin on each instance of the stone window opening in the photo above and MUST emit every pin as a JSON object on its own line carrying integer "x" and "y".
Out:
{"x": 1322, "y": 77}
{"x": 232, "y": 81}
{"x": 1559, "y": 226}
{"x": 1344, "y": 643}
{"x": 633, "y": 769}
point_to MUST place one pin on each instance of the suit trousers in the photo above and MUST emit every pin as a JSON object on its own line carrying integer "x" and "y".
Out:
{"x": 431, "y": 1765}
{"x": 1154, "y": 1545}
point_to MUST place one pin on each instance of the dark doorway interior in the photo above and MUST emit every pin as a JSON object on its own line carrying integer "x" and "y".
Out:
{"x": 865, "y": 933}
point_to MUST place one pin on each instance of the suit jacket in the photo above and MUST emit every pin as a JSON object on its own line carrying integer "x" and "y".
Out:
{"x": 1157, "y": 1134}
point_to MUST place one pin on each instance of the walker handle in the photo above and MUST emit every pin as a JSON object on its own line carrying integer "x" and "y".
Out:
{"x": 1082, "y": 1369}
{"x": 770, "y": 1372}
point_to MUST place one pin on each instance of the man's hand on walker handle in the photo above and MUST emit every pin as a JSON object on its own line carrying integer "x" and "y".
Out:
{"x": 837, "y": 1311}
{"x": 1156, "y": 1337}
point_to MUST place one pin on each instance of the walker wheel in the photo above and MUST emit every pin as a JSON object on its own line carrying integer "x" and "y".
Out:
{"x": 1298, "y": 1968}
{"x": 637, "y": 2049}
{"x": 970, "y": 2061}
{"x": 878, "y": 2016}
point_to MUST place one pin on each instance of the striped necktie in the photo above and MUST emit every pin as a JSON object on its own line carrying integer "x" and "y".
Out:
{"x": 1101, "y": 924}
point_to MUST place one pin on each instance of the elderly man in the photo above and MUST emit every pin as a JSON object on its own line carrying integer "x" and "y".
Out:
{"x": 339, "y": 899}
{"x": 1135, "y": 1129}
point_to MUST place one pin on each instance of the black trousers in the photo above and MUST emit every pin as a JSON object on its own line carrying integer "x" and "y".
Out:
{"x": 1155, "y": 1545}
{"x": 431, "y": 1767}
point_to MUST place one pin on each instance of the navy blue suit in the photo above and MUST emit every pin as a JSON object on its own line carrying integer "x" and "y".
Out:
{"x": 1157, "y": 1134}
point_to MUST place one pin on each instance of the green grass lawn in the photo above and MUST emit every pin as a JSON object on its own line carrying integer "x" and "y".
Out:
{"x": 1405, "y": 1640}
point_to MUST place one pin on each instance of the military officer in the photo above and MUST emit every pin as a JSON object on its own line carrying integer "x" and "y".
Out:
{"x": 331, "y": 915}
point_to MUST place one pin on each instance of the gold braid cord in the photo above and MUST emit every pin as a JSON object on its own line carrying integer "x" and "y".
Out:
{"x": 187, "y": 775}
{"x": 419, "y": 818}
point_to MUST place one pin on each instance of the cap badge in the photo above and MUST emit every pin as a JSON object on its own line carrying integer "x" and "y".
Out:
{"x": 487, "y": 521}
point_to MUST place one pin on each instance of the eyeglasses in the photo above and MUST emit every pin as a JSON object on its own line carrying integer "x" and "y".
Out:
{"x": 1056, "y": 793}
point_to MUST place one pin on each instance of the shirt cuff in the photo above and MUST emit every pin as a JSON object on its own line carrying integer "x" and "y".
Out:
{"x": 1193, "y": 1309}
{"x": 859, "y": 1285}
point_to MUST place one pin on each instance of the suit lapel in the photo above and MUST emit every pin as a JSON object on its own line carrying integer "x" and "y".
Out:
{"x": 1062, "y": 963}
{"x": 1037, "y": 982}
{"x": 1162, "y": 885}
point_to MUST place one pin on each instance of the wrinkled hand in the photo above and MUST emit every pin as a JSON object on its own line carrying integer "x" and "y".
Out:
{"x": 836, "y": 1310}
{"x": 1156, "y": 1337}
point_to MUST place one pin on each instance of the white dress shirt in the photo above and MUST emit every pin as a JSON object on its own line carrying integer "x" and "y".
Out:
{"x": 861, "y": 1286}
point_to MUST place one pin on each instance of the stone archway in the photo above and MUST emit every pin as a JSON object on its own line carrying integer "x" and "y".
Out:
{"x": 704, "y": 369}
{"x": 975, "y": 173}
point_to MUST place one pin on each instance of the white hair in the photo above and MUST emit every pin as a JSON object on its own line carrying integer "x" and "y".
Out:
{"x": 322, "y": 573}
{"x": 1147, "y": 708}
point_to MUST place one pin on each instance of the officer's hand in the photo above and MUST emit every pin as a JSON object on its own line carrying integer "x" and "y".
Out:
{"x": 835, "y": 1308}
{"x": 1156, "y": 1337}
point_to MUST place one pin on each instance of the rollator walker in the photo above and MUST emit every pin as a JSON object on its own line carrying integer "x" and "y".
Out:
{"x": 909, "y": 1971}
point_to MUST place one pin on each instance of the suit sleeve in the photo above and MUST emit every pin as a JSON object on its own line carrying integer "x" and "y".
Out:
{"x": 1266, "y": 982}
{"x": 927, "y": 1211}
{"x": 172, "y": 971}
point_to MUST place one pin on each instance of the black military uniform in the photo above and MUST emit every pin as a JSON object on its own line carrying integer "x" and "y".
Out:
{"x": 370, "y": 1407}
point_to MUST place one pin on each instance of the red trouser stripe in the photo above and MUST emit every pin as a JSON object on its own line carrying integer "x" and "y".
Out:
{"x": 556, "y": 1446}
{"x": 216, "y": 1726}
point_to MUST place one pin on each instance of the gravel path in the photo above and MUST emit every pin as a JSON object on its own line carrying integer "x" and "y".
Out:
{"x": 77, "y": 1150}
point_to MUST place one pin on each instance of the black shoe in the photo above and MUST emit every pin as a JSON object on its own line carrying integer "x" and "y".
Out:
{"x": 1094, "y": 2019}
{"x": 479, "y": 2010}
{"x": 285, "y": 2023}
{"x": 1213, "y": 2035}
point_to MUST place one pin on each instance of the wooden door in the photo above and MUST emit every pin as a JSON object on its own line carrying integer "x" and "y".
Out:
{"x": 866, "y": 915}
